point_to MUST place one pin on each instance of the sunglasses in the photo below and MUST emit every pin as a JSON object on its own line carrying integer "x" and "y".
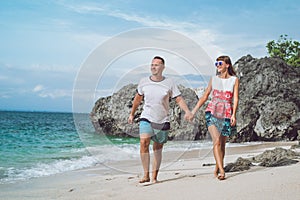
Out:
{"x": 218, "y": 63}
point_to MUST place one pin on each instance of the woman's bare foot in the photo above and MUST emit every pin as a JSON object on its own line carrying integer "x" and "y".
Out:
{"x": 221, "y": 176}
{"x": 144, "y": 180}
{"x": 216, "y": 172}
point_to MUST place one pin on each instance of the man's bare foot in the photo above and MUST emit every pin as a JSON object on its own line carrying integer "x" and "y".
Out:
{"x": 144, "y": 180}
{"x": 155, "y": 181}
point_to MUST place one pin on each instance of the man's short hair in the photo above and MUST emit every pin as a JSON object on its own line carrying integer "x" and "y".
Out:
{"x": 160, "y": 58}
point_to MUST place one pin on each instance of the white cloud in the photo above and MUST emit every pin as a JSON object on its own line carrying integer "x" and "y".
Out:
{"x": 54, "y": 94}
{"x": 203, "y": 36}
{"x": 4, "y": 96}
{"x": 38, "y": 68}
{"x": 38, "y": 88}
{"x": 85, "y": 8}
{"x": 148, "y": 21}
{"x": 52, "y": 68}
{"x": 213, "y": 41}
{"x": 48, "y": 93}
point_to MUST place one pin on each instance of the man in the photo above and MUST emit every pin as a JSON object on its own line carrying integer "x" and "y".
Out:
{"x": 154, "y": 121}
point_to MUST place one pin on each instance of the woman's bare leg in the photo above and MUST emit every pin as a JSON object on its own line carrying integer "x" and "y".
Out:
{"x": 217, "y": 140}
{"x": 223, "y": 143}
{"x": 223, "y": 140}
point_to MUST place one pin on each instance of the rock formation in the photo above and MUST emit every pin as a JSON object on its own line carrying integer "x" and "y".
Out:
{"x": 269, "y": 104}
{"x": 269, "y": 100}
{"x": 269, "y": 158}
{"x": 276, "y": 157}
{"x": 110, "y": 115}
{"x": 240, "y": 164}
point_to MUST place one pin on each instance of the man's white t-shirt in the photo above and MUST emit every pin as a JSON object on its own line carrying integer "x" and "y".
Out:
{"x": 156, "y": 98}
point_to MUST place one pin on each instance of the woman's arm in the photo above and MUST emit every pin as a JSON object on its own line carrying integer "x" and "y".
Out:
{"x": 204, "y": 98}
{"x": 235, "y": 101}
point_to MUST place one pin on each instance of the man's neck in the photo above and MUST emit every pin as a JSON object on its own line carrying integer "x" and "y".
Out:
{"x": 157, "y": 77}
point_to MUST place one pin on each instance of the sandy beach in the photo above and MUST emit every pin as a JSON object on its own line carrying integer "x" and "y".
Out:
{"x": 182, "y": 177}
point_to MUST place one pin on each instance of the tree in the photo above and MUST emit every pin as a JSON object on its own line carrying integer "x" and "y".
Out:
{"x": 287, "y": 49}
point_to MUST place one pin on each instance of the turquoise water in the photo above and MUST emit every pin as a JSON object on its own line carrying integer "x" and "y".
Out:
{"x": 35, "y": 144}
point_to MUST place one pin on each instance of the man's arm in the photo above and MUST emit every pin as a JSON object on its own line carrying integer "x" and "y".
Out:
{"x": 135, "y": 104}
{"x": 180, "y": 101}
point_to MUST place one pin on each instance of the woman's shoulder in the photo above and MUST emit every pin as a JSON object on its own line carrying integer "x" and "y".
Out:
{"x": 234, "y": 77}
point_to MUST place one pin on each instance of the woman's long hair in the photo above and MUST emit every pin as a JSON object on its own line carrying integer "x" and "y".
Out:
{"x": 227, "y": 60}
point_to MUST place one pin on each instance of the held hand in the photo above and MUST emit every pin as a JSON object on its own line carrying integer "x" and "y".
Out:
{"x": 130, "y": 119}
{"x": 189, "y": 117}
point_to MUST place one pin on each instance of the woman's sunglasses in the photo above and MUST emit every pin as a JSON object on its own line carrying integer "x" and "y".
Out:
{"x": 218, "y": 63}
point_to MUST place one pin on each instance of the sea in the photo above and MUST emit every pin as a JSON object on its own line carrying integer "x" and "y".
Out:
{"x": 38, "y": 144}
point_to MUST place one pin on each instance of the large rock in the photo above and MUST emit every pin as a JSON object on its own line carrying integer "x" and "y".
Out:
{"x": 269, "y": 104}
{"x": 269, "y": 100}
{"x": 269, "y": 158}
{"x": 110, "y": 115}
{"x": 240, "y": 164}
{"x": 276, "y": 157}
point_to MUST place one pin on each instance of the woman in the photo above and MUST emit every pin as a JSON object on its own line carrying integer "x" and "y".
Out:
{"x": 220, "y": 113}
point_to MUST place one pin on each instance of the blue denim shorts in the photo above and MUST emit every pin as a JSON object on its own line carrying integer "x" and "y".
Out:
{"x": 223, "y": 125}
{"x": 157, "y": 135}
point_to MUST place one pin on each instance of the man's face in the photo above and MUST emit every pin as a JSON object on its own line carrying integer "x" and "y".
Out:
{"x": 157, "y": 67}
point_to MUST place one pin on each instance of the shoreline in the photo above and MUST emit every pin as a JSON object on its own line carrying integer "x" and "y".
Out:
{"x": 182, "y": 177}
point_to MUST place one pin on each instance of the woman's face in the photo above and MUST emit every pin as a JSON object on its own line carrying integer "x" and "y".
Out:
{"x": 221, "y": 66}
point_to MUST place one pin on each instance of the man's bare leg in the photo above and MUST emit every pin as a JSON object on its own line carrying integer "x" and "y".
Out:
{"x": 145, "y": 156}
{"x": 157, "y": 151}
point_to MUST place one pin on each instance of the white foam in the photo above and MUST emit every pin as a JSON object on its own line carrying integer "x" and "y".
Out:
{"x": 42, "y": 169}
{"x": 108, "y": 153}
{"x": 187, "y": 145}
{"x": 99, "y": 154}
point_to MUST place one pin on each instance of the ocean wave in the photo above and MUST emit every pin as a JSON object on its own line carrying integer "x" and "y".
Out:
{"x": 13, "y": 174}
{"x": 107, "y": 153}
{"x": 187, "y": 145}
{"x": 100, "y": 154}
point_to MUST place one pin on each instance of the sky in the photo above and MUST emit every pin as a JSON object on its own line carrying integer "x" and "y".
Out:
{"x": 47, "y": 45}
